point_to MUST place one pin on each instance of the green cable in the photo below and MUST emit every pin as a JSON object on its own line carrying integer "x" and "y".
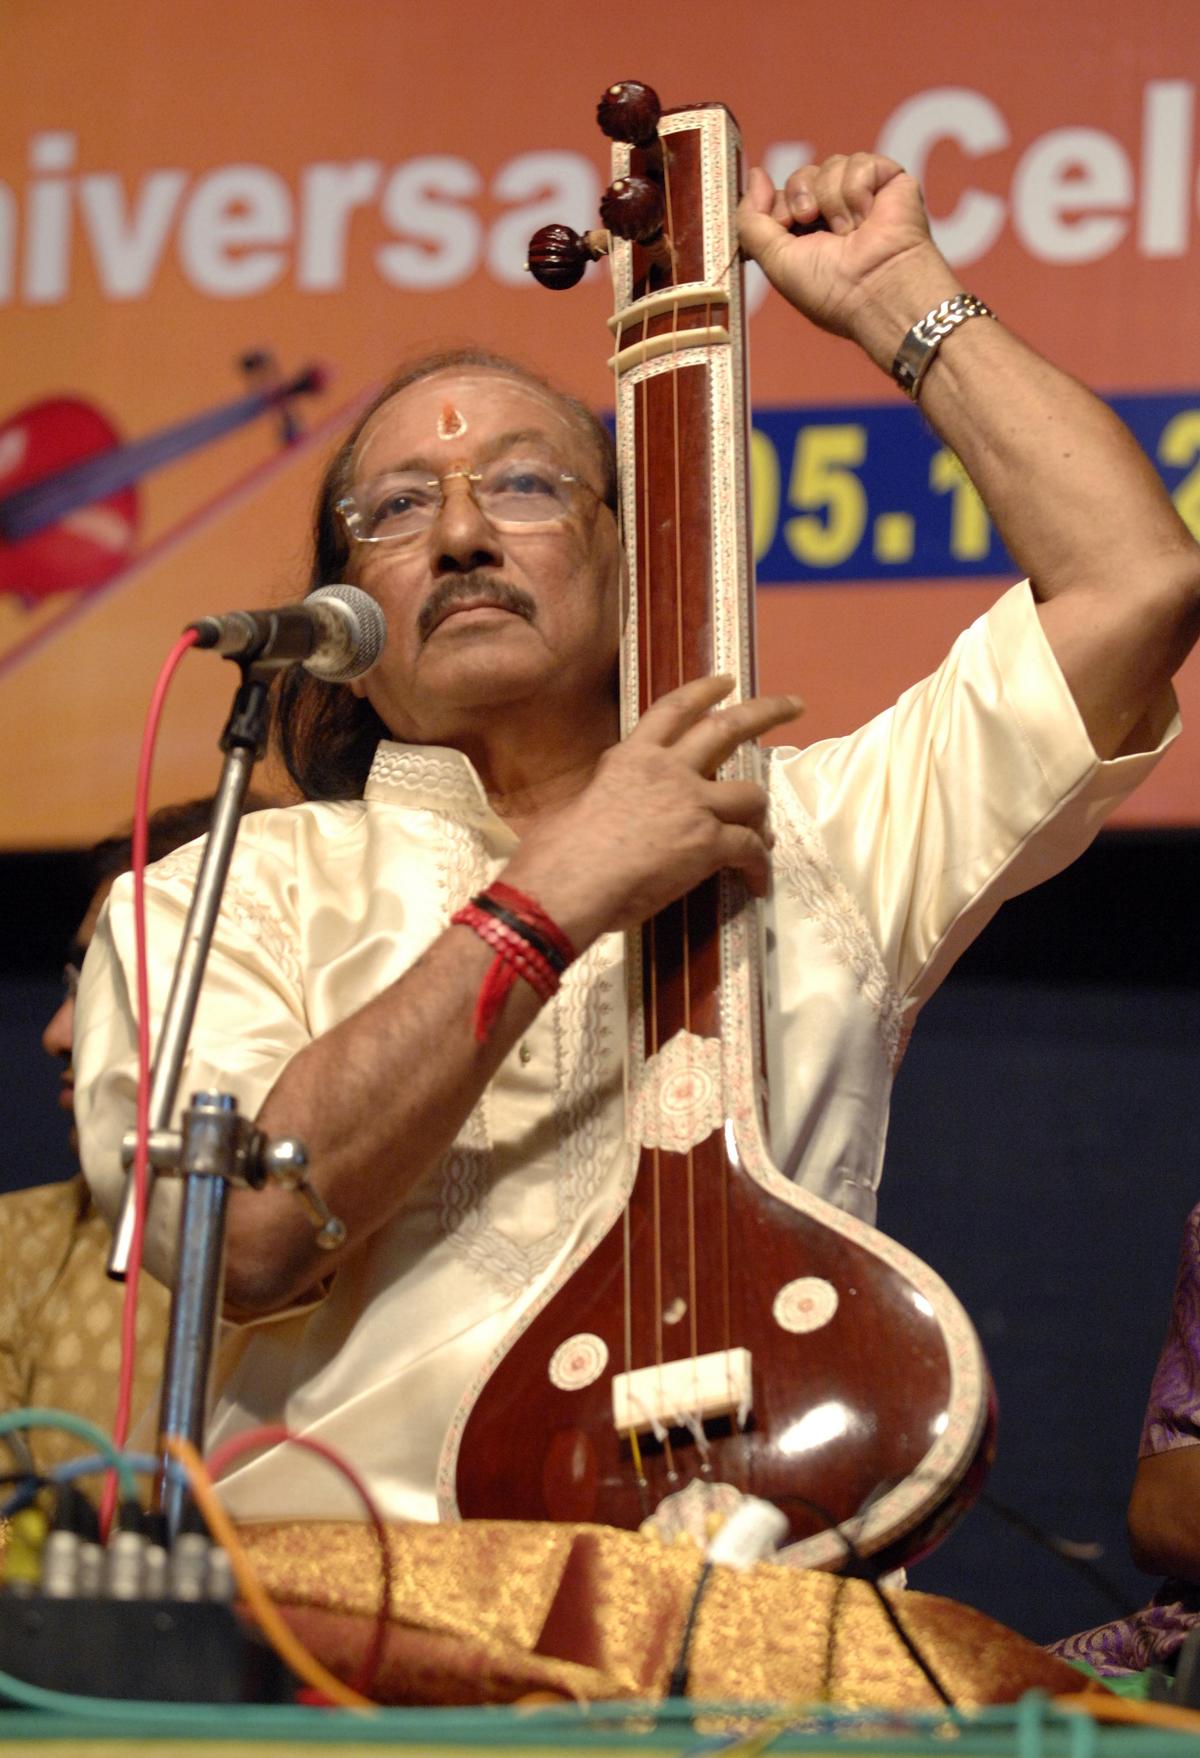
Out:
{"x": 499, "y": 1726}
{"x": 36, "y": 1417}
{"x": 212, "y": 1719}
{"x": 1032, "y": 1729}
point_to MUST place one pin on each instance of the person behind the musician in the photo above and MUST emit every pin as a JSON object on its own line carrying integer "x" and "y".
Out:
{"x": 472, "y": 794}
{"x": 60, "y": 1314}
{"x": 1164, "y": 1504}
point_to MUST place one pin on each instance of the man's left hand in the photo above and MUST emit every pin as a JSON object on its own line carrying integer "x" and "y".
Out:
{"x": 877, "y": 260}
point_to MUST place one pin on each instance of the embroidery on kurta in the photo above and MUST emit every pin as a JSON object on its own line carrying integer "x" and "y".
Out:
{"x": 581, "y": 1016}
{"x": 272, "y": 932}
{"x": 803, "y": 868}
{"x": 589, "y": 1002}
{"x": 442, "y": 783}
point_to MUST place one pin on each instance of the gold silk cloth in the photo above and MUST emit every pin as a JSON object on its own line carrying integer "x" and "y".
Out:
{"x": 60, "y": 1318}
{"x": 491, "y": 1611}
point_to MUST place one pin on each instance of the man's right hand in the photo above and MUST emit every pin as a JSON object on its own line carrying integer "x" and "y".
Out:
{"x": 653, "y": 822}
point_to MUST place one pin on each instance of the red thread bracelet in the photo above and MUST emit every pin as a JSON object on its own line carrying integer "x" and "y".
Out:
{"x": 521, "y": 904}
{"x": 526, "y": 941}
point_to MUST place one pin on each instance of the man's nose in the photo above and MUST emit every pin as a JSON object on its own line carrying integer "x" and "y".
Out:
{"x": 59, "y": 1028}
{"x": 462, "y": 537}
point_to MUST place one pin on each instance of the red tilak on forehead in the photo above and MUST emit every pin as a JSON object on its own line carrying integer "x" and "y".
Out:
{"x": 452, "y": 423}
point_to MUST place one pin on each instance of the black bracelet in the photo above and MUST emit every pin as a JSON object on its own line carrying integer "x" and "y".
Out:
{"x": 550, "y": 953}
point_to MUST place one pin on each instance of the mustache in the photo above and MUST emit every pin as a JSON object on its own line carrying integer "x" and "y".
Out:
{"x": 463, "y": 588}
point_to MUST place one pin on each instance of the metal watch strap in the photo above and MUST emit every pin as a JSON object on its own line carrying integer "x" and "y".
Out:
{"x": 922, "y": 342}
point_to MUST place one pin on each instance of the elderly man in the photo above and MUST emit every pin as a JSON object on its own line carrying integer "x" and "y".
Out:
{"x": 344, "y": 993}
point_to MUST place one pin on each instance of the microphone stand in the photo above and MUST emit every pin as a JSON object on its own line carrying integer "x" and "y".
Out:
{"x": 217, "y": 1147}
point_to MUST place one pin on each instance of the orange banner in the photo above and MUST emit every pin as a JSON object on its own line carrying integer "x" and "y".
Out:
{"x": 199, "y": 201}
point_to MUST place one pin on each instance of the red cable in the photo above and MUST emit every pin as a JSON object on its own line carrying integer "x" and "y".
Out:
{"x": 141, "y": 813}
{"x": 274, "y": 1434}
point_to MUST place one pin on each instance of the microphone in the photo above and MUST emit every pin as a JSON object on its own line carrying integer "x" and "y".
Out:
{"x": 336, "y": 633}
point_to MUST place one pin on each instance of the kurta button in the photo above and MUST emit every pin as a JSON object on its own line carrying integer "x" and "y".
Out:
{"x": 524, "y": 1054}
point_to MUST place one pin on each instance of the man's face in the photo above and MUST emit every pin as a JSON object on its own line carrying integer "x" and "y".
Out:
{"x": 59, "y": 1028}
{"x": 481, "y": 617}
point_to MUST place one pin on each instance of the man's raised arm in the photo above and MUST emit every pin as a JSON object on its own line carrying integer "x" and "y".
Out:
{"x": 1114, "y": 570}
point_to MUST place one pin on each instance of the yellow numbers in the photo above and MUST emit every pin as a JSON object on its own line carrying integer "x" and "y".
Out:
{"x": 970, "y": 527}
{"x": 817, "y": 510}
{"x": 823, "y": 483}
{"x": 764, "y": 492}
{"x": 1180, "y": 444}
{"x": 821, "y": 511}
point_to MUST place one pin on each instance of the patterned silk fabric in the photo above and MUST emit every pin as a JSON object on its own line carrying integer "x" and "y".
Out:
{"x": 492, "y": 1611}
{"x": 60, "y": 1316}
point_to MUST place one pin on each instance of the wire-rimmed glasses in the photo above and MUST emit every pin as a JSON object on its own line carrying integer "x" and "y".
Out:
{"x": 512, "y": 493}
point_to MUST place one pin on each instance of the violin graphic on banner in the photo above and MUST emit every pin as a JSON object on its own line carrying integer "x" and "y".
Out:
{"x": 68, "y": 483}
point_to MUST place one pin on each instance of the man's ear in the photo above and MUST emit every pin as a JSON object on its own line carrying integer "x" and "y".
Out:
{"x": 358, "y": 688}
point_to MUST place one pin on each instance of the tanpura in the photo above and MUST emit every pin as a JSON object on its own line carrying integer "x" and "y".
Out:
{"x": 730, "y": 1333}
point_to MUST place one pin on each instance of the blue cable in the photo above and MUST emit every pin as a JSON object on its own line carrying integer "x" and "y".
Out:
{"x": 67, "y": 1472}
{"x": 38, "y": 1417}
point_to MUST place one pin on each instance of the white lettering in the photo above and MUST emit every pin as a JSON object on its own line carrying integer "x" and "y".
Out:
{"x": 783, "y": 157}
{"x": 973, "y": 123}
{"x": 1167, "y": 146}
{"x": 755, "y": 287}
{"x": 128, "y": 247}
{"x": 1059, "y": 178}
{"x": 52, "y": 151}
{"x": 233, "y": 213}
{"x": 780, "y": 159}
{"x": 48, "y": 220}
{"x": 329, "y": 194}
{"x": 410, "y": 204}
{"x": 1074, "y": 194}
{"x": 555, "y": 186}
{"x": 8, "y": 241}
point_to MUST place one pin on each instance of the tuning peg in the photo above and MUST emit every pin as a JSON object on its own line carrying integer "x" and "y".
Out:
{"x": 632, "y": 207}
{"x": 630, "y": 111}
{"x": 558, "y": 255}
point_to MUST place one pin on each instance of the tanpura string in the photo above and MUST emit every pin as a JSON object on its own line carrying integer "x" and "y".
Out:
{"x": 643, "y": 667}
{"x": 628, "y": 683}
{"x": 646, "y": 593}
{"x": 723, "y": 280}
{"x": 693, "y": 1289}
{"x": 726, "y": 1289}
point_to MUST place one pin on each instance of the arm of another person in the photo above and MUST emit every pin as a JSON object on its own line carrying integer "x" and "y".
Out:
{"x": 1164, "y": 1513}
{"x": 1164, "y": 1507}
{"x": 1114, "y": 570}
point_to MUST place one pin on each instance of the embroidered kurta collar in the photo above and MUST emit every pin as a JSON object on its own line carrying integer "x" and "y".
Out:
{"x": 433, "y": 776}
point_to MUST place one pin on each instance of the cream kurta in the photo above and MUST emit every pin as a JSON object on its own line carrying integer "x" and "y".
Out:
{"x": 893, "y": 847}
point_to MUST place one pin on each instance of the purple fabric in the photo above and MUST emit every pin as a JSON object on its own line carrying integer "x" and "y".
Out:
{"x": 1149, "y": 1637}
{"x": 1153, "y": 1635}
{"x": 1173, "y": 1413}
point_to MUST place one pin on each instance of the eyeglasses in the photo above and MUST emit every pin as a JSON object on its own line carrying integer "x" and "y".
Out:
{"x": 512, "y": 494}
{"x": 70, "y": 980}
